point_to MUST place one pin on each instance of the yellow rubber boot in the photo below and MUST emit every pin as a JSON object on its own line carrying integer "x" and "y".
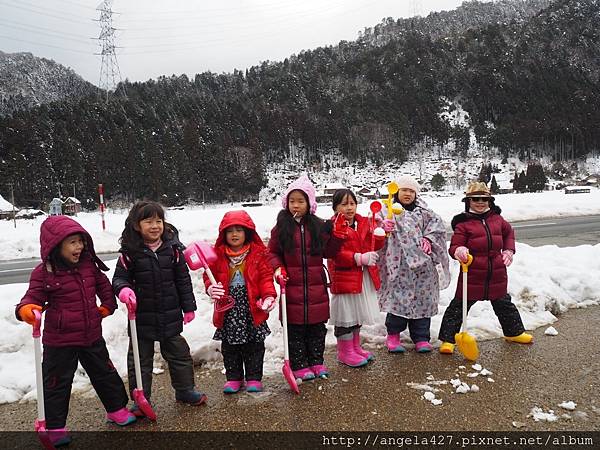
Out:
{"x": 447, "y": 348}
{"x": 523, "y": 338}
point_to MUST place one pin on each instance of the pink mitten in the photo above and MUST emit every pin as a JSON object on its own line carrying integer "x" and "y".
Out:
{"x": 127, "y": 296}
{"x": 461, "y": 254}
{"x": 507, "y": 257}
{"x": 426, "y": 246}
{"x": 188, "y": 317}
{"x": 267, "y": 304}
{"x": 388, "y": 225}
{"x": 215, "y": 291}
{"x": 366, "y": 259}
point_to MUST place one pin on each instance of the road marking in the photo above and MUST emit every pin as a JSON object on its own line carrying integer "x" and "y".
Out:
{"x": 15, "y": 270}
{"x": 535, "y": 225}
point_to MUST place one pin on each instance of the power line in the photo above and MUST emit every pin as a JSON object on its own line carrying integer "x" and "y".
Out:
{"x": 41, "y": 13}
{"x": 44, "y": 45}
{"x": 43, "y": 28}
{"x": 54, "y": 35}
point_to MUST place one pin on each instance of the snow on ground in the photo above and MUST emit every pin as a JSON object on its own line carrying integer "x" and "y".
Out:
{"x": 536, "y": 288}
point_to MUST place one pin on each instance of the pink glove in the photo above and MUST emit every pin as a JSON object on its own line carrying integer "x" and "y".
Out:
{"x": 127, "y": 296}
{"x": 388, "y": 225}
{"x": 426, "y": 246}
{"x": 188, "y": 317}
{"x": 267, "y": 304}
{"x": 461, "y": 254}
{"x": 215, "y": 291}
{"x": 366, "y": 259}
{"x": 507, "y": 257}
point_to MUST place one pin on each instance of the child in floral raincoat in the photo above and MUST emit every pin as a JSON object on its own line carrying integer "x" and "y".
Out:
{"x": 413, "y": 269}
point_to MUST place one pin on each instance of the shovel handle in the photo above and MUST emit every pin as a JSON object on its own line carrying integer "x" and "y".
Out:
{"x": 37, "y": 324}
{"x": 465, "y": 266}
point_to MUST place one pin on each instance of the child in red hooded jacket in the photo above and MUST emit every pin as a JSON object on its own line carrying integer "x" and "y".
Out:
{"x": 245, "y": 278}
{"x": 64, "y": 286}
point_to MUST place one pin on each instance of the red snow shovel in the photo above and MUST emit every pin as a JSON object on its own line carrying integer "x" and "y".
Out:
{"x": 375, "y": 207}
{"x": 200, "y": 254}
{"x": 286, "y": 369}
{"x": 138, "y": 393}
{"x": 40, "y": 422}
{"x": 466, "y": 342}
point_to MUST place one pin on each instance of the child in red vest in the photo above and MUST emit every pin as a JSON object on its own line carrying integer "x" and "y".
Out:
{"x": 244, "y": 275}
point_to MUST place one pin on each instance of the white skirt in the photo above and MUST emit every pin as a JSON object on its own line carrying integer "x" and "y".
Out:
{"x": 347, "y": 310}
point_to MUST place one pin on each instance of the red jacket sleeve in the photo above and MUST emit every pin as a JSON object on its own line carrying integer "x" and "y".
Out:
{"x": 104, "y": 291}
{"x": 36, "y": 293}
{"x": 459, "y": 239}
{"x": 508, "y": 236}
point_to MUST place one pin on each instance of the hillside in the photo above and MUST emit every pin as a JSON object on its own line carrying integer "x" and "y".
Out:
{"x": 27, "y": 81}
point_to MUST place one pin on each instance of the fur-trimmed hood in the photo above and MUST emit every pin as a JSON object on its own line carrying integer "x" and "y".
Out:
{"x": 463, "y": 217}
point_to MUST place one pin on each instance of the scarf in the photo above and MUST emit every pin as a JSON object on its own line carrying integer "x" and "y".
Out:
{"x": 237, "y": 258}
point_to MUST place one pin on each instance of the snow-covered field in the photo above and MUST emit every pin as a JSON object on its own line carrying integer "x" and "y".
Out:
{"x": 537, "y": 289}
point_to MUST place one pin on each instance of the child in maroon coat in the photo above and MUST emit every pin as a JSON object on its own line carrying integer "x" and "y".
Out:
{"x": 244, "y": 275}
{"x": 65, "y": 285}
{"x": 298, "y": 244}
{"x": 482, "y": 232}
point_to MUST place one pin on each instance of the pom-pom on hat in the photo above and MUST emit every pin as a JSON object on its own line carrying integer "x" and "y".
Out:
{"x": 305, "y": 185}
{"x": 408, "y": 182}
{"x": 477, "y": 189}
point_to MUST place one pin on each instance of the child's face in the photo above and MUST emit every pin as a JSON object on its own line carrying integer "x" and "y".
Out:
{"x": 297, "y": 204}
{"x": 235, "y": 237}
{"x": 406, "y": 196}
{"x": 347, "y": 207}
{"x": 151, "y": 228}
{"x": 71, "y": 248}
{"x": 479, "y": 204}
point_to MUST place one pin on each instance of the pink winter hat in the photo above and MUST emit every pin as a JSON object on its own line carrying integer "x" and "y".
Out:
{"x": 408, "y": 182}
{"x": 305, "y": 185}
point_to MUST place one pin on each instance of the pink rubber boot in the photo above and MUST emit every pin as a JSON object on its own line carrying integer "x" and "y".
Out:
{"x": 393, "y": 343}
{"x": 304, "y": 374}
{"x": 358, "y": 349}
{"x": 347, "y": 355}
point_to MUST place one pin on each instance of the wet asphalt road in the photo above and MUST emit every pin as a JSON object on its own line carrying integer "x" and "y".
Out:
{"x": 553, "y": 370}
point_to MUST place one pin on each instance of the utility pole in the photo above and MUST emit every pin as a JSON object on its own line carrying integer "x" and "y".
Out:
{"x": 12, "y": 196}
{"x": 416, "y": 8}
{"x": 110, "y": 74}
{"x": 74, "y": 196}
{"x": 59, "y": 184}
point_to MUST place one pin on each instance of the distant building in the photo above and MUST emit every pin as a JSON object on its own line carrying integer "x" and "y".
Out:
{"x": 55, "y": 208}
{"x": 6, "y": 209}
{"x": 577, "y": 190}
{"x": 71, "y": 206}
{"x": 327, "y": 195}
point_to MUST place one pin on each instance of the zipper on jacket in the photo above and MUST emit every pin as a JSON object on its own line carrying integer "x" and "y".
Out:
{"x": 304, "y": 272}
{"x": 486, "y": 287}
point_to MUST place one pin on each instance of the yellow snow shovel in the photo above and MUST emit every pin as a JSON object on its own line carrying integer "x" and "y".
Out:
{"x": 392, "y": 190}
{"x": 466, "y": 343}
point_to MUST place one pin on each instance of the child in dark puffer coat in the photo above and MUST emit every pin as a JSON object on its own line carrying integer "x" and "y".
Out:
{"x": 65, "y": 286}
{"x": 152, "y": 272}
{"x": 244, "y": 275}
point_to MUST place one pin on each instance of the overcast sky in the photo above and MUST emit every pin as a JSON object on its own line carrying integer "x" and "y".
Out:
{"x": 191, "y": 36}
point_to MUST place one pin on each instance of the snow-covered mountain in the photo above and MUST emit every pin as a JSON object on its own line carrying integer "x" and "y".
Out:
{"x": 27, "y": 81}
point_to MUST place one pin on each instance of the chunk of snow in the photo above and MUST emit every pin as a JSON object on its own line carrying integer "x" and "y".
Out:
{"x": 436, "y": 401}
{"x": 485, "y": 372}
{"x": 474, "y": 388}
{"x": 491, "y": 380}
{"x": 538, "y": 415}
{"x": 477, "y": 367}
{"x": 463, "y": 388}
{"x": 455, "y": 382}
{"x": 551, "y": 331}
{"x": 429, "y": 396}
{"x": 570, "y": 405}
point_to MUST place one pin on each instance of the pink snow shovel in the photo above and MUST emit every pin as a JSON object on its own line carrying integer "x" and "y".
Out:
{"x": 138, "y": 393}
{"x": 200, "y": 254}
{"x": 286, "y": 369}
{"x": 40, "y": 422}
{"x": 375, "y": 207}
